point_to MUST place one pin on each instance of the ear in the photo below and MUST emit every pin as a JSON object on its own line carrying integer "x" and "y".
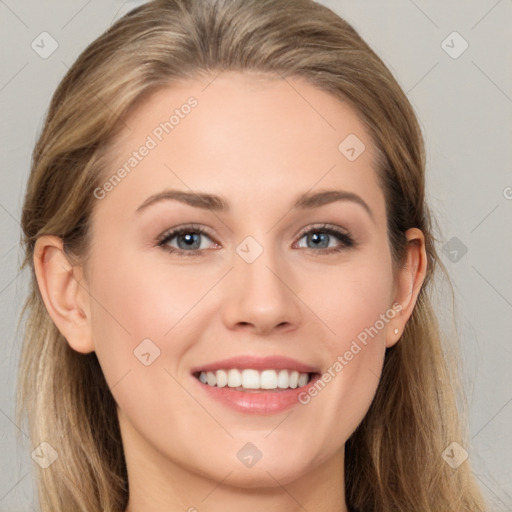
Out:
{"x": 408, "y": 284}
{"x": 64, "y": 293}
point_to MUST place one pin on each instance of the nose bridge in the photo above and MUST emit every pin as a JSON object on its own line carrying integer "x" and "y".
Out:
{"x": 258, "y": 267}
{"x": 260, "y": 292}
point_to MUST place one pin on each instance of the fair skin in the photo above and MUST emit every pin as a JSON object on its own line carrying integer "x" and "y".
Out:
{"x": 257, "y": 143}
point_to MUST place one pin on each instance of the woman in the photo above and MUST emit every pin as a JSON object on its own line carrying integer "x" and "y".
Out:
{"x": 231, "y": 258}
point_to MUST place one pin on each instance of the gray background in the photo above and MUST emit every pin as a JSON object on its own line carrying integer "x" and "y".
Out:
{"x": 465, "y": 108}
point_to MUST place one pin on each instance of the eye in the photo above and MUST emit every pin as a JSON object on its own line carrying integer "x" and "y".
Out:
{"x": 187, "y": 237}
{"x": 189, "y": 243}
{"x": 320, "y": 237}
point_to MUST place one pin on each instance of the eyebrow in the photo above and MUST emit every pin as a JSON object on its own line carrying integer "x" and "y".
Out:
{"x": 308, "y": 200}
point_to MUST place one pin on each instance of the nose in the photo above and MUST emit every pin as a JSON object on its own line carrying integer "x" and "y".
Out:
{"x": 260, "y": 297}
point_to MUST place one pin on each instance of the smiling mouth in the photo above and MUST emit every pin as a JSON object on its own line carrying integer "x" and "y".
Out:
{"x": 255, "y": 381}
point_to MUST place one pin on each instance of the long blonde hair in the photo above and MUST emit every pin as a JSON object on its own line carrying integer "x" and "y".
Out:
{"x": 394, "y": 459}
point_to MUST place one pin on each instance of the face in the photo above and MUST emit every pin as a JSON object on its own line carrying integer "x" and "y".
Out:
{"x": 260, "y": 284}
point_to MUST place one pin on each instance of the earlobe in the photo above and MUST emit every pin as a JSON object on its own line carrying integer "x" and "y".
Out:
{"x": 409, "y": 282}
{"x": 65, "y": 296}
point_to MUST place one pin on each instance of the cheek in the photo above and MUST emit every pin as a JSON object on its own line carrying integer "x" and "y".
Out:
{"x": 144, "y": 314}
{"x": 132, "y": 304}
{"x": 137, "y": 299}
{"x": 361, "y": 322}
{"x": 137, "y": 319}
{"x": 356, "y": 308}
{"x": 348, "y": 299}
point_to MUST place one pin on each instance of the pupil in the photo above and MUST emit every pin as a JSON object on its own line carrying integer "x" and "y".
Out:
{"x": 190, "y": 239}
{"x": 317, "y": 238}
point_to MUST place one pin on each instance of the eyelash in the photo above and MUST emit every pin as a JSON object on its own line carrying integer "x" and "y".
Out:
{"x": 347, "y": 241}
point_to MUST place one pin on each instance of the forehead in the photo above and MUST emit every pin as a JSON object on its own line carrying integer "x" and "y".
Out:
{"x": 243, "y": 135}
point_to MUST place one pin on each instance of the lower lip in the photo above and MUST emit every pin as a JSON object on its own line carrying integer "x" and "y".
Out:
{"x": 261, "y": 402}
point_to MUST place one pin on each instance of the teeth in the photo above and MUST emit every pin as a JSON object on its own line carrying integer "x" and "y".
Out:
{"x": 250, "y": 379}
{"x": 254, "y": 379}
{"x": 303, "y": 379}
{"x": 268, "y": 379}
{"x": 234, "y": 378}
{"x": 283, "y": 379}
{"x": 222, "y": 378}
{"x": 211, "y": 379}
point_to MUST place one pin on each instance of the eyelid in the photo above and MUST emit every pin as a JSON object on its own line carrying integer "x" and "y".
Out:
{"x": 319, "y": 227}
{"x": 196, "y": 228}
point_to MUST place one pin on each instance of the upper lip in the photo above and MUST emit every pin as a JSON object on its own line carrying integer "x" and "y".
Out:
{"x": 257, "y": 363}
